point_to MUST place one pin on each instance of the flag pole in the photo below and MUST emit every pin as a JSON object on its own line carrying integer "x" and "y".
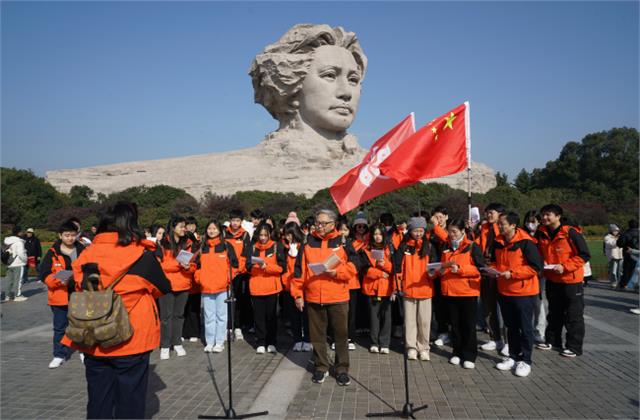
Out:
{"x": 468, "y": 135}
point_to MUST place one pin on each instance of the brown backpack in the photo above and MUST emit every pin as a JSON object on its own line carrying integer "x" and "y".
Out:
{"x": 98, "y": 316}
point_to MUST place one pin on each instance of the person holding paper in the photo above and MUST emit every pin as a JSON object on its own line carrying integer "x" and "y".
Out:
{"x": 488, "y": 286}
{"x": 411, "y": 262}
{"x": 179, "y": 267}
{"x": 438, "y": 237}
{"x": 358, "y": 236}
{"x": 58, "y": 259}
{"x": 460, "y": 285}
{"x": 326, "y": 294}
{"x": 379, "y": 287}
{"x": 518, "y": 262}
{"x": 213, "y": 275}
{"x": 293, "y": 242}
{"x": 565, "y": 251}
{"x": 266, "y": 262}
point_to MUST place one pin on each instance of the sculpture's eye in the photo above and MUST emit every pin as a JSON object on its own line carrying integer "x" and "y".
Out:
{"x": 329, "y": 75}
{"x": 354, "y": 79}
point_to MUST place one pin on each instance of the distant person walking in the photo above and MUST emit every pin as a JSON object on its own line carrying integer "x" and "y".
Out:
{"x": 16, "y": 264}
{"x": 629, "y": 242}
{"x": 614, "y": 254}
{"x": 34, "y": 253}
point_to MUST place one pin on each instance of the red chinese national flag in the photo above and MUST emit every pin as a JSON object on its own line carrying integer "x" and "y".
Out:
{"x": 438, "y": 149}
{"x": 364, "y": 182}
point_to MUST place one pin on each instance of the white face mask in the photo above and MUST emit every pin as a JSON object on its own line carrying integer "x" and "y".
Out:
{"x": 455, "y": 243}
{"x": 532, "y": 227}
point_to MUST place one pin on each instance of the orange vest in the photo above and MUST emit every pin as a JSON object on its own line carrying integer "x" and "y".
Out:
{"x": 357, "y": 244}
{"x": 509, "y": 256}
{"x": 58, "y": 292}
{"x": 179, "y": 277}
{"x": 265, "y": 281}
{"x": 238, "y": 241}
{"x": 374, "y": 282}
{"x": 213, "y": 268}
{"x": 466, "y": 282}
{"x": 560, "y": 250}
{"x": 416, "y": 283}
{"x": 323, "y": 288}
{"x": 138, "y": 294}
{"x": 483, "y": 235}
{"x": 291, "y": 264}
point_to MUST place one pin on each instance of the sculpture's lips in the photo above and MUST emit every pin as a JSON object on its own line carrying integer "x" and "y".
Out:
{"x": 342, "y": 109}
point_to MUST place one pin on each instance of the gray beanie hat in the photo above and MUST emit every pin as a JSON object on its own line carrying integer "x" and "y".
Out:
{"x": 360, "y": 219}
{"x": 417, "y": 222}
{"x": 613, "y": 228}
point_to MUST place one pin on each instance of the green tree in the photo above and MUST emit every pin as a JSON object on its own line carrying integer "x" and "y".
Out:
{"x": 80, "y": 196}
{"x": 501, "y": 179}
{"x": 26, "y": 198}
{"x": 523, "y": 181}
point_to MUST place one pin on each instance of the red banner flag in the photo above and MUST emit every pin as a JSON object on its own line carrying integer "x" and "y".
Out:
{"x": 438, "y": 149}
{"x": 364, "y": 182}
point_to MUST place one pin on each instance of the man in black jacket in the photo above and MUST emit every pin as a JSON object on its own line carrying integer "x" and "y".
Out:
{"x": 34, "y": 253}
{"x": 629, "y": 240}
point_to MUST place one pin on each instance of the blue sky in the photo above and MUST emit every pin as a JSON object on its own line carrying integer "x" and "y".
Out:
{"x": 89, "y": 83}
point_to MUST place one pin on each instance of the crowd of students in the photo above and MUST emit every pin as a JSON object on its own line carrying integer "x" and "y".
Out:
{"x": 329, "y": 278}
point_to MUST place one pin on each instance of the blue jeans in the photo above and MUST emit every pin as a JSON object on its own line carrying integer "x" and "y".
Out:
{"x": 215, "y": 317}
{"x": 634, "y": 277}
{"x": 60, "y": 323}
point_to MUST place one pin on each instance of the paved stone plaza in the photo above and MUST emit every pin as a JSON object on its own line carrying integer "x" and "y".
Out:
{"x": 603, "y": 383}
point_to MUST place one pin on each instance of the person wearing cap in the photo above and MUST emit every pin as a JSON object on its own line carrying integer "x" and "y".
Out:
{"x": 411, "y": 261}
{"x": 34, "y": 253}
{"x": 614, "y": 254}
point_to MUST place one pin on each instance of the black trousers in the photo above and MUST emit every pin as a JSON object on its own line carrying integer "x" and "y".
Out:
{"x": 380, "y": 321}
{"x": 172, "y": 318}
{"x": 117, "y": 386}
{"x": 353, "y": 308}
{"x": 566, "y": 309}
{"x": 463, "y": 315}
{"x": 489, "y": 299}
{"x": 440, "y": 308}
{"x": 517, "y": 312}
{"x": 265, "y": 309}
{"x": 628, "y": 265}
{"x": 192, "y": 322}
{"x": 299, "y": 320}
{"x": 243, "y": 312}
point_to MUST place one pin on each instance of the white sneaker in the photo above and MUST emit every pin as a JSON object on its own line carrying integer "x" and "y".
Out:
{"x": 260, "y": 350}
{"x": 374, "y": 349}
{"x": 165, "y": 354}
{"x": 384, "y": 350}
{"x": 455, "y": 360}
{"x": 635, "y": 311}
{"x": 522, "y": 369}
{"x": 412, "y": 354}
{"x": 19, "y": 298}
{"x": 56, "y": 362}
{"x": 82, "y": 358}
{"x": 442, "y": 340}
{"x": 297, "y": 346}
{"x": 468, "y": 365}
{"x": 333, "y": 346}
{"x": 193, "y": 339}
{"x": 218, "y": 348}
{"x": 352, "y": 346}
{"x": 307, "y": 346}
{"x": 238, "y": 334}
{"x": 488, "y": 346}
{"x": 506, "y": 364}
{"x": 180, "y": 351}
{"x": 505, "y": 350}
{"x": 208, "y": 348}
{"x": 271, "y": 349}
{"x": 424, "y": 356}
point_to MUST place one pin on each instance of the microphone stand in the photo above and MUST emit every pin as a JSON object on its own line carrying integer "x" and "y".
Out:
{"x": 407, "y": 410}
{"x": 230, "y": 413}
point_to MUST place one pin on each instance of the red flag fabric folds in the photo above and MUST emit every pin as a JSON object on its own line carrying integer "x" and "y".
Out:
{"x": 438, "y": 149}
{"x": 364, "y": 182}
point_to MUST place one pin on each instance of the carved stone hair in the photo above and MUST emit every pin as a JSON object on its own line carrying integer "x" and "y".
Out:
{"x": 278, "y": 72}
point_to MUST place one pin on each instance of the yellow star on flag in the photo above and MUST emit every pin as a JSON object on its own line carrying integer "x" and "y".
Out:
{"x": 449, "y": 121}
{"x": 434, "y": 130}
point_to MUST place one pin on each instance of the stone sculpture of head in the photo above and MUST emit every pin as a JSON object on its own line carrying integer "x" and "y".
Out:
{"x": 310, "y": 80}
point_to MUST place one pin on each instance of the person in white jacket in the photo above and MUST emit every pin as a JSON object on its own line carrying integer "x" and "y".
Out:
{"x": 17, "y": 263}
{"x": 613, "y": 254}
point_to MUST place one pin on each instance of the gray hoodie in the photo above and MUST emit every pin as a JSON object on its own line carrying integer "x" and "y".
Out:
{"x": 17, "y": 250}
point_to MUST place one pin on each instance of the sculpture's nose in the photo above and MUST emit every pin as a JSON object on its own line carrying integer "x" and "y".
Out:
{"x": 343, "y": 89}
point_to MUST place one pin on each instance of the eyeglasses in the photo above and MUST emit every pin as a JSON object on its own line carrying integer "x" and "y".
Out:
{"x": 361, "y": 226}
{"x": 323, "y": 224}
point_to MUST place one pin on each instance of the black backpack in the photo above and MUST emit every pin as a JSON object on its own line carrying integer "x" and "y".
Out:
{"x": 6, "y": 255}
